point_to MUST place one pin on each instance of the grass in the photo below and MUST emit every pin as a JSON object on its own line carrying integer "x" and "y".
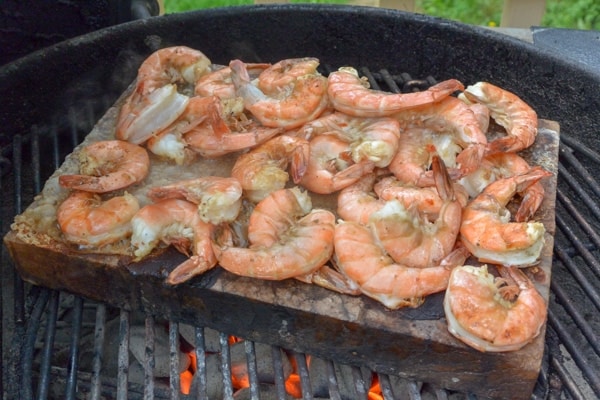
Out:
{"x": 574, "y": 14}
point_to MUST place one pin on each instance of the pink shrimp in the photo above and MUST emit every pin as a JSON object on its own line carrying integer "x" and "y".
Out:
{"x": 176, "y": 222}
{"x": 285, "y": 72}
{"x": 350, "y": 94}
{"x": 509, "y": 111}
{"x": 262, "y": 170}
{"x": 297, "y": 103}
{"x": 108, "y": 165}
{"x": 218, "y": 83}
{"x": 330, "y": 167}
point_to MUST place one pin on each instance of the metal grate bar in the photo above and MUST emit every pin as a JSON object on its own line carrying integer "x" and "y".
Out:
{"x": 149, "y": 360}
{"x": 226, "y": 366}
{"x": 200, "y": 375}
{"x": 174, "y": 379}
{"x": 98, "y": 348}
{"x": 48, "y": 345}
{"x": 123, "y": 356}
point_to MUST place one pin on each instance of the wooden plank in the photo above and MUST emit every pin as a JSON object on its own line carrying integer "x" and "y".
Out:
{"x": 355, "y": 330}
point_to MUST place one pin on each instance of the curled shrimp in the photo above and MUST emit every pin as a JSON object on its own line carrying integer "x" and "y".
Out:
{"x": 219, "y": 199}
{"x": 285, "y": 72}
{"x": 292, "y": 106}
{"x": 175, "y": 222}
{"x": 219, "y": 135}
{"x": 456, "y": 119}
{"x": 180, "y": 65}
{"x": 84, "y": 218}
{"x": 357, "y": 201}
{"x": 361, "y": 258}
{"x": 493, "y": 314}
{"x": 504, "y": 165}
{"x": 372, "y": 139}
{"x": 426, "y": 199}
{"x": 487, "y": 231}
{"x": 303, "y": 246}
{"x": 218, "y": 82}
{"x": 263, "y": 169}
{"x": 108, "y": 165}
{"x": 509, "y": 111}
{"x": 351, "y": 94}
{"x": 412, "y": 163}
{"x": 330, "y": 167}
{"x": 409, "y": 237}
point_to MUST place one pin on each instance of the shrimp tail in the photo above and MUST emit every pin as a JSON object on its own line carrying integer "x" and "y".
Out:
{"x": 299, "y": 162}
{"x": 193, "y": 266}
{"x": 445, "y": 88}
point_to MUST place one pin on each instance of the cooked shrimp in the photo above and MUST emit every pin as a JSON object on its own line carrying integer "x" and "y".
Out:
{"x": 88, "y": 221}
{"x": 426, "y": 199}
{"x": 412, "y": 163}
{"x": 409, "y": 237}
{"x": 169, "y": 143}
{"x": 350, "y": 94}
{"x": 486, "y": 229}
{"x": 359, "y": 256}
{"x": 108, "y": 165}
{"x": 216, "y": 137}
{"x": 453, "y": 117}
{"x": 218, "y": 83}
{"x": 303, "y": 246}
{"x": 178, "y": 65}
{"x": 504, "y": 165}
{"x": 264, "y": 169}
{"x": 357, "y": 201}
{"x": 144, "y": 115}
{"x": 509, "y": 111}
{"x": 493, "y": 314}
{"x": 176, "y": 222}
{"x": 218, "y": 199}
{"x": 330, "y": 167}
{"x": 372, "y": 139}
{"x": 294, "y": 105}
{"x": 285, "y": 72}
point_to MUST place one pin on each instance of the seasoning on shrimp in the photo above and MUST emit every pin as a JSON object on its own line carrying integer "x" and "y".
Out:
{"x": 263, "y": 169}
{"x": 493, "y": 314}
{"x": 487, "y": 230}
{"x": 351, "y": 94}
{"x": 85, "y": 219}
{"x": 219, "y": 83}
{"x": 108, "y": 165}
{"x": 176, "y": 222}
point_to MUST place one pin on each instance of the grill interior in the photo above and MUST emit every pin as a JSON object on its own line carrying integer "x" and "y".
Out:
{"x": 59, "y": 342}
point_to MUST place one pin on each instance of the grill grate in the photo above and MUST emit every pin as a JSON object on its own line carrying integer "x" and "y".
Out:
{"x": 48, "y": 324}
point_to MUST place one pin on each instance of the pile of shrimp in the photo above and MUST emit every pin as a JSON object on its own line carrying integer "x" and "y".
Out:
{"x": 418, "y": 186}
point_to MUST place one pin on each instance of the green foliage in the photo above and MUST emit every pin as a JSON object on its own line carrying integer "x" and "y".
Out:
{"x": 574, "y": 14}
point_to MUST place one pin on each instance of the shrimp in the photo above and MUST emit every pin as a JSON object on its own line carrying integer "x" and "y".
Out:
{"x": 215, "y": 137}
{"x": 409, "y": 237}
{"x": 504, "y": 165}
{"x": 351, "y": 95}
{"x": 88, "y": 221}
{"x": 294, "y": 247}
{"x": 263, "y": 169}
{"x": 482, "y": 310}
{"x": 412, "y": 162}
{"x": 509, "y": 111}
{"x": 453, "y": 117}
{"x": 176, "y": 222}
{"x": 285, "y": 72}
{"x": 373, "y": 139}
{"x": 357, "y": 201}
{"x": 294, "y": 105}
{"x": 218, "y": 83}
{"x": 486, "y": 229}
{"x": 359, "y": 256}
{"x": 169, "y": 143}
{"x": 426, "y": 199}
{"x": 144, "y": 115}
{"x": 218, "y": 199}
{"x": 330, "y": 167}
{"x": 171, "y": 65}
{"x": 108, "y": 165}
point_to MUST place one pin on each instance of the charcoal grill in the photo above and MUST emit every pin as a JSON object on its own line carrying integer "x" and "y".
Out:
{"x": 44, "y": 115}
